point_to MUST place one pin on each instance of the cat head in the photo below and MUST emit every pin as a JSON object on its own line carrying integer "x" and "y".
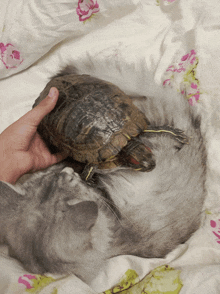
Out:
{"x": 57, "y": 224}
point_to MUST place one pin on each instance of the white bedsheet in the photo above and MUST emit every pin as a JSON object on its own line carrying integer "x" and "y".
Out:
{"x": 139, "y": 45}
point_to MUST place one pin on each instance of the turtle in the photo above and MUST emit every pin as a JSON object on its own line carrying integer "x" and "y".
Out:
{"x": 96, "y": 123}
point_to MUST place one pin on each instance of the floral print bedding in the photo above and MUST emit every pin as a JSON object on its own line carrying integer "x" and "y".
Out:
{"x": 139, "y": 45}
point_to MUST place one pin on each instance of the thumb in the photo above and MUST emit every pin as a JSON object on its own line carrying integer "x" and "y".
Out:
{"x": 34, "y": 116}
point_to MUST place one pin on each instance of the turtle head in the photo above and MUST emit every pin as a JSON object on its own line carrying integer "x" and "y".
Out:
{"x": 137, "y": 156}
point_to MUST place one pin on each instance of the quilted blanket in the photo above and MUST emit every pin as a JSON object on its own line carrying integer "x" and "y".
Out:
{"x": 139, "y": 45}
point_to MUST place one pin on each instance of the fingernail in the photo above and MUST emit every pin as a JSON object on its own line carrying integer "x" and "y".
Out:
{"x": 52, "y": 93}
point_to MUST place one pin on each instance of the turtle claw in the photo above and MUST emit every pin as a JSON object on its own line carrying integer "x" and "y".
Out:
{"x": 178, "y": 134}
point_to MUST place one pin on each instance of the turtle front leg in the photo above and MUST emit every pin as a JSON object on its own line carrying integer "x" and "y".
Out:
{"x": 177, "y": 134}
{"x": 88, "y": 172}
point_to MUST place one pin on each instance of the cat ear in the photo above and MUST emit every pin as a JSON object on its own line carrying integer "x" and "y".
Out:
{"x": 83, "y": 215}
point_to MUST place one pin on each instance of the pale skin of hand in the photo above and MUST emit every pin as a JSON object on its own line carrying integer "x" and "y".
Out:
{"x": 21, "y": 148}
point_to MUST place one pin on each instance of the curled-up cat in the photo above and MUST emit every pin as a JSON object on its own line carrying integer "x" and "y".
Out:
{"x": 55, "y": 222}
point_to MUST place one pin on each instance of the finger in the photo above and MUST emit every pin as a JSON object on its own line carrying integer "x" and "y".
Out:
{"x": 34, "y": 116}
{"x": 58, "y": 157}
{"x": 42, "y": 155}
{"x": 40, "y": 147}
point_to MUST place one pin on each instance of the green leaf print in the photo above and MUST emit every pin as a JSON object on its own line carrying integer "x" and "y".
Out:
{"x": 162, "y": 280}
{"x": 39, "y": 283}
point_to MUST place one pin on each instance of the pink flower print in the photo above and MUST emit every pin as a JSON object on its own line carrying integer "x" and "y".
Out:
{"x": 216, "y": 226}
{"x": 10, "y": 57}
{"x": 176, "y": 69}
{"x": 166, "y": 2}
{"x": 184, "y": 58}
{"x": 25, "y": 280}
{"x": 190, "y": 57}
{"x": 194, "y": 86}
{"x": 212, "y": 223}
{"x": 86, "y": 8}
{"x": 166, "y": 82}
{"x": 182, "y": 76}
{"x": 35, "y": 283}
{"x": 193, "y": 98}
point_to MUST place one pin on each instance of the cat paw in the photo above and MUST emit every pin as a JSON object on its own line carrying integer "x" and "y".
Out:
{"x": 68, "y": 175}
{"x": 69, "y": 171}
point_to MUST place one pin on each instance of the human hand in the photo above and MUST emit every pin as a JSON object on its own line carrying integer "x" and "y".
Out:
{"x": 21, "y": 148}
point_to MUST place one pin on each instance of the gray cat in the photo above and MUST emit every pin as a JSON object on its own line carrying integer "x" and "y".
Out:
{"x": 55, "y": 222}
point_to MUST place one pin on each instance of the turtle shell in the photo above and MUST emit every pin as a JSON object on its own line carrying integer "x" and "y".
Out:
{"x": 92, "y": 120}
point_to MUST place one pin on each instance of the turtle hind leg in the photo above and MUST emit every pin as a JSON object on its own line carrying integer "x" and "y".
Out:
{"x": 177, "y": 134}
